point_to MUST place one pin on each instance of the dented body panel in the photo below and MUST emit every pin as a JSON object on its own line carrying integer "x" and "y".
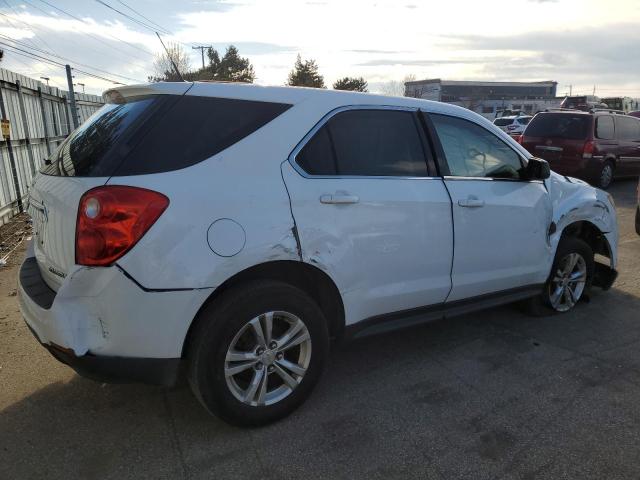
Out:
{"x": 575, "y": 201}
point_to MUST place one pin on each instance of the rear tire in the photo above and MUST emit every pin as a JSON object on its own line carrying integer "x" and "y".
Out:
{"x": 569, "y": 280}
{"x": 237, "y": 375}
{"x": 606, "y": 175}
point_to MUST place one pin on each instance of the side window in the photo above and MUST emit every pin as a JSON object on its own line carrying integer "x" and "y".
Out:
{"x": 628, "y": 128}
{"x": 366, "y": 143}
{"x": 472, "y": 151}
{"x": 604, "y": 128}
{"x": 317, "y": 158}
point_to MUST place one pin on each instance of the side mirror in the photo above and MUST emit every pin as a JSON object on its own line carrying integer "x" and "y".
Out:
{"x": 537, "y": 169}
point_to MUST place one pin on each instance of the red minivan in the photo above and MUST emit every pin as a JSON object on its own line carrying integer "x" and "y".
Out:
{"x": 595, "y": 146}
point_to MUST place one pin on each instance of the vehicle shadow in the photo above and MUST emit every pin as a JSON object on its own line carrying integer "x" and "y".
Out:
{"x": 475, "y": 388}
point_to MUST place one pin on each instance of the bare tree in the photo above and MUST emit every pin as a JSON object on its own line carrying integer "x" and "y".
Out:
{"x": 163, "y": 70}
{"x": 396, "y": 88}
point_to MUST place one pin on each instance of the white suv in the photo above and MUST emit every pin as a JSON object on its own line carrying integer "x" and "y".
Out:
{"x": 233, "y": 230}
{"x": 513, "y": 125}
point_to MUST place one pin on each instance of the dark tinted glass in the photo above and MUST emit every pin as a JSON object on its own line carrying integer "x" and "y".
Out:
{"x": 316, "y": 158}
{"x": 627, "y": 128}
{"x": 604, "y": 128}
{"x": 382, "y": 143}
{"x": 473, "y": 151}
{"x": 559, "y": 125}
{"x": 503, "y": 122}
{"x": 157, "y": 134}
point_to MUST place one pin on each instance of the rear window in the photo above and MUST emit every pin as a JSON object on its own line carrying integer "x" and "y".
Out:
{"x": 157, "y": 133}
{"x": 559, "y": 125}
{"x": 524, "y": 121}
{"x": 503, "y": 122}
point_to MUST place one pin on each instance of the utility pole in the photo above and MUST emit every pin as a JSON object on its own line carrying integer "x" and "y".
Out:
{"x": 570, "y": 89}
{"x": 72, "y": 97}
{"x": 201, "y": 48}
{"x": 46, "y": 79}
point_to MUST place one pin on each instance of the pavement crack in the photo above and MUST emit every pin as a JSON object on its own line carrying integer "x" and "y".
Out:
{"x": 173, "y": 431}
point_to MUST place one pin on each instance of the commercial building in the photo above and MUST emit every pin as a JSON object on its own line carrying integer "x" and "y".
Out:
{"x": 489, "y": 99}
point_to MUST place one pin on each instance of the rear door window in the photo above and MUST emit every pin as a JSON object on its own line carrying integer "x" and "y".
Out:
{"x": 157, "y": 133}
{"x": 604, "y": 128}
{"x": 382, "y": 143}
{"x": 559, "y": 125}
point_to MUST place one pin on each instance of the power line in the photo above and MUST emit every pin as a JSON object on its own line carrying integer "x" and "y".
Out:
{"x": 149, "y": 27}
{"x": 141, "y": 15}
{"x": 32, "y": 55}
{"x": 82, "y": 21}
{"x": 68, "y": 59}
{"x": 96, "y": 38}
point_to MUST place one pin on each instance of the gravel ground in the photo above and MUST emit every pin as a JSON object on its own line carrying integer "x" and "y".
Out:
{"x": 489, "y": 395}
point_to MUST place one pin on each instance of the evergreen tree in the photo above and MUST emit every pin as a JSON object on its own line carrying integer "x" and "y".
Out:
{"x": 305, "y": 74}
{"x": 230, "y": 68}
{"x": 355, "y": 84}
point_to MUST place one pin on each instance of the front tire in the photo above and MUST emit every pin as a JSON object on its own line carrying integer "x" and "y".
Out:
{"x": 257, "y": 352}
{"x": 569, "y": 280}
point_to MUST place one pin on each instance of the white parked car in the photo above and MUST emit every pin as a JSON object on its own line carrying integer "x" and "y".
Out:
{"x": 235, "y": 229}
{"x": 513, "y": 125}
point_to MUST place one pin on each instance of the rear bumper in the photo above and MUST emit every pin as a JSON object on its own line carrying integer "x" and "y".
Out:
{"x": 155, "y": 371}
{"x": 105, "y": 326}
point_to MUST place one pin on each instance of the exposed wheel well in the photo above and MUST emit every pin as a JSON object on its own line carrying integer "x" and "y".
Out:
{"x": 313, "y": 281}
{"x": 591, "y": 234}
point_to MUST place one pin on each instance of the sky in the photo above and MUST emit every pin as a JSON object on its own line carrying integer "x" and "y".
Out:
{"x": 582, "y": 43}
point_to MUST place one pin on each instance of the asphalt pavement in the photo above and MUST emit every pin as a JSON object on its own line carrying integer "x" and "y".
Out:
{"x": 491, "y": 395}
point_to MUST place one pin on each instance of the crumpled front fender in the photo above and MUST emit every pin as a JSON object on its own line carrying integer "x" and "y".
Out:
{"x": 576, "y": 201}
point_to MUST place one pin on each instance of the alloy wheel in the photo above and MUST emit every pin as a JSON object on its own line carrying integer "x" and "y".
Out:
{"x": 268, "y": 358}
{"x": 568, "y": 283}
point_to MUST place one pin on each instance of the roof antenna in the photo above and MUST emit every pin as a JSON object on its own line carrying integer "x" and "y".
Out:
{"x": 175, "y": 67}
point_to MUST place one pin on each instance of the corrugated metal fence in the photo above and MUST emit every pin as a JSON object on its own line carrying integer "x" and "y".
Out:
{"x": 40, "y": 119}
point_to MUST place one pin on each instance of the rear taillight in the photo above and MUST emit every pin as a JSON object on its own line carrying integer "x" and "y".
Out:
{"x": 112, "y": 219}
{"x": 589, "y": 147}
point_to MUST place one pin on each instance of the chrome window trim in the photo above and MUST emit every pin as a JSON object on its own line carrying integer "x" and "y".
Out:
{"x": 322, "y": 122}
{"x": 491, "y": 179}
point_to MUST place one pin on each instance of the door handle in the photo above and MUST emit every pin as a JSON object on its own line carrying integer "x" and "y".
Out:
{"x": 339, "y": 199}
{"x": 471, "y": 202}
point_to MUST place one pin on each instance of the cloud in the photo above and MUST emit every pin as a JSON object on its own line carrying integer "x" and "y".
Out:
{"x": 418, "y": 63}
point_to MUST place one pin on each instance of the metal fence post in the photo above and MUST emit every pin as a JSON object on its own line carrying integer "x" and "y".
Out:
{"x": 25, "y": 125}
{"x": 66, "y": 113}
{"x": 44, "y": 122}
{"x": 12, "y": 159}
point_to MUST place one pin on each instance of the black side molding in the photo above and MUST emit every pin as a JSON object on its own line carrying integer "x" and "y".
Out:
{"x": 34, "y": 285}
{"x": 416, "y": 316}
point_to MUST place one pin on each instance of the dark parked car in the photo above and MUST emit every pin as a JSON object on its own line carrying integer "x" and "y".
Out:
{"x": 634, "y": 114}
{"x": 595, "y": 146}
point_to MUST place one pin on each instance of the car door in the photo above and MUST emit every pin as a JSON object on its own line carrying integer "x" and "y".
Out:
{"x": 501, "y": 222}
{"x": 369, "y": 213}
